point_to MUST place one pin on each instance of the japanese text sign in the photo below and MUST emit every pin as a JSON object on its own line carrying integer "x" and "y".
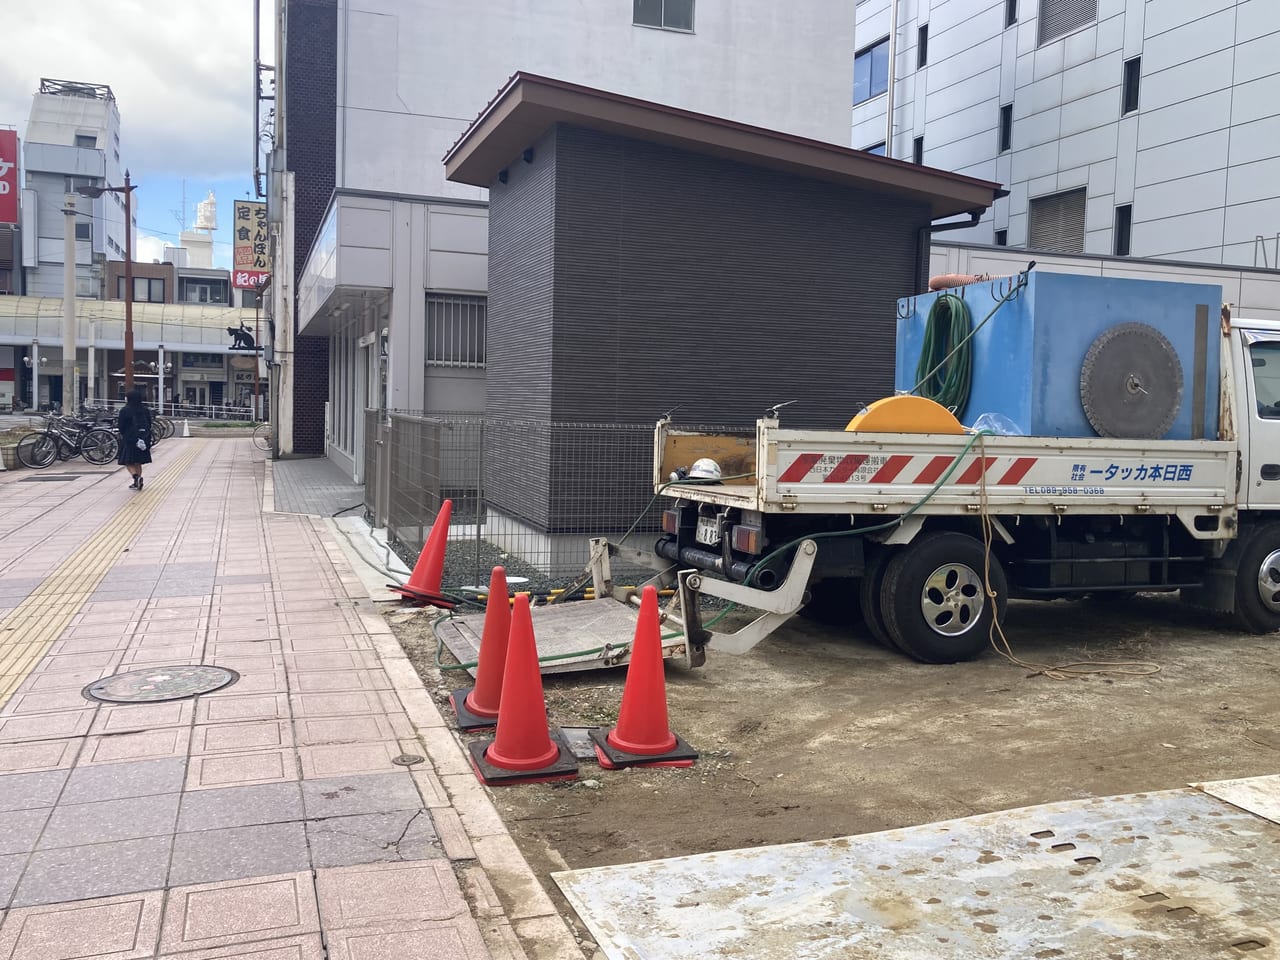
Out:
{"x": 251, "y": 264}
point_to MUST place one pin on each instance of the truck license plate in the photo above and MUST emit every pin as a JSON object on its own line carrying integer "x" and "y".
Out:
{"x": 708, "y": 531}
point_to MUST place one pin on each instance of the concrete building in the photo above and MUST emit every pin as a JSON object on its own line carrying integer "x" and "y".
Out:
{"x": 1118, "y": 126}
{"x": 390, "y": 259}
{"x": 72, "y": 141}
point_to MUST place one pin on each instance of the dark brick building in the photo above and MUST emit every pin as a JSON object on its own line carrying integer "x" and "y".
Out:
{"x": 310, "y": 111}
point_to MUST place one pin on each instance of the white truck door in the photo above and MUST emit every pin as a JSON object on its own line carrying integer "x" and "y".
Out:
{"x": 1261, "y": 479}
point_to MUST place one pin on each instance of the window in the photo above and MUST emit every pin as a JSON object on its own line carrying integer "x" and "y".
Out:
{"x": 1002, "y": 238}
{"x": 455, "y": 330}
{"x": 84, "y": 231}
{"x": 1060, "y": 17}
{"x": 1132, "y": 77}
{"x": 1056, "y": 222}
{"x": 1006, "y": 127}
{"x": 666, "y": 14}
{"x": 1265, "y": 357}
{"x": 85, "y": 287}
{"x": 876, "y": 148}
{"x": 922, "y": 46}
{"x": 871, "y": 72}
{"x": 1124, "y": 229}
{"x": 191, "y": 290}
{"x": 87, "y": 141}
{"x": 145, "y": 289}
{"x": 75, "y": 183}
{"x": 917, "y": 150}
{"x": 1010, "y": 12}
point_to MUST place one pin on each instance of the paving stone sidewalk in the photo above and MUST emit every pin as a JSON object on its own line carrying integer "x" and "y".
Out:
{"x": 269, "y": 818}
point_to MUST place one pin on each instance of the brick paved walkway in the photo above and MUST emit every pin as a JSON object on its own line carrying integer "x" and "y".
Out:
{"x": 316, "y": 487}
{"x": 264, "y": 819}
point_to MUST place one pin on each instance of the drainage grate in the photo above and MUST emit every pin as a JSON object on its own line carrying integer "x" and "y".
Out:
{"x": 160, "y": 683}
{"x": 50, "y": 478}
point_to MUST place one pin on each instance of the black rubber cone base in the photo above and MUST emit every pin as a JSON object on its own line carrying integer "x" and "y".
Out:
{"x": 564, "y": 767}
{"x": 467, "y": 720}
{"x": 611, "y": 758}
{"x": 415, "y": 595}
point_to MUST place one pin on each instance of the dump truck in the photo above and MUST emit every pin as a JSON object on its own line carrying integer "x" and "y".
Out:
{"x": 1141, "y": 452}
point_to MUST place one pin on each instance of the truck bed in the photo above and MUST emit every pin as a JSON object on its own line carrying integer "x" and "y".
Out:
{"x": 801, "y": 471}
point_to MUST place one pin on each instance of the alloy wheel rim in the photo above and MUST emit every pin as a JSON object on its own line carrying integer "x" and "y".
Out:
{"x": 952, "y": 599}
{"x": 1269, "y": 581}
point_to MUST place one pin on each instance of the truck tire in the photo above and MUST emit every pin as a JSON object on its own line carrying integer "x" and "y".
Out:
{"x": 869, "y": 595}
{"x": 936, "y": 609}
{"x": 1258, "y": 581}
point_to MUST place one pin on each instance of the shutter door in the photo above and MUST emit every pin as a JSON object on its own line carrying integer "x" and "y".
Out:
{"x": 1060, "y": 17}
{"x": 1057, "y": 222}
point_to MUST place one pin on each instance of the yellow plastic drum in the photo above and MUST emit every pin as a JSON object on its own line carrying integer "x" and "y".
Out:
{"x": 905, "y": 414}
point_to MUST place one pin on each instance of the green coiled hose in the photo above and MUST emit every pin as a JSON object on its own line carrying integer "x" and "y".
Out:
{"x": 945, "y": 370}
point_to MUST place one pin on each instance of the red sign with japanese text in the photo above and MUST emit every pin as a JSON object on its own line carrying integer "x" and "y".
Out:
{"x": 251, "y": 266}
{"x": 8, "y": 176}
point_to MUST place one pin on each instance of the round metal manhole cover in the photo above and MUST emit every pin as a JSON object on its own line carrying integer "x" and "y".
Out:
{"x": 160, "y": 683}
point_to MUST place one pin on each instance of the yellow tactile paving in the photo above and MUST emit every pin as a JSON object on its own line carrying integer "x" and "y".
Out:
{"x": 32, "y": 627}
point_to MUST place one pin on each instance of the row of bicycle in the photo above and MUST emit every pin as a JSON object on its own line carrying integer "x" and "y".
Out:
{"x": 90, "y": 435}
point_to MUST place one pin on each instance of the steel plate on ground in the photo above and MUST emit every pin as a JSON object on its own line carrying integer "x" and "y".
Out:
{"x": 561, "y": 629}
{"x": 1159, "y": 876}
{"x": 1258, "y": 795}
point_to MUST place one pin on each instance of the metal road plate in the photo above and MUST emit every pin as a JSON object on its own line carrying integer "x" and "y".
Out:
{"x": 561, "y": 628}
{"x": 1159, "y": 876}
{"x": 1131, "y": 382}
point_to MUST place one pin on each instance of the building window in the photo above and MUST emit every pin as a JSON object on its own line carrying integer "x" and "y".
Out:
{"x": 917, "y": 150}
{"x": 1060, "y": 17}
{"x": 191, "y": 290}
{"x": 86, "y": 141}
{"x": 1124, "y": 229}
{"x": 85, "y": 287}
{"x": 871, "y": 72}
{"x": 75, "y": 183}
{"x": 1132, "y": 79}
{"x": 1010, "y": 12}
{"x": 666, "y": 14}
{"x": 1006, "y": 127}
{"x": 455, "y": 330}
{"x": 84, "y": 231}
{"x": 1002, "y": 238}
{"x": 876, "y": 148}
{"x": 922, "y": 46}
{"x": 145, "y": 289}
{"x": 1056, "y": 222}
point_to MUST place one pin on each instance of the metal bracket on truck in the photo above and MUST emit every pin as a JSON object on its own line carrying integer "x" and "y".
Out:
{"x": 776, "y": 606}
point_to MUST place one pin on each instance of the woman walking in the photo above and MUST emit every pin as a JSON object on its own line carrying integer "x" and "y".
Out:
{"x": 135, "y": 436}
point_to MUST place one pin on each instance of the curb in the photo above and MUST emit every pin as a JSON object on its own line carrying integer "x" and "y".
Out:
{"x": 515, "y": 915}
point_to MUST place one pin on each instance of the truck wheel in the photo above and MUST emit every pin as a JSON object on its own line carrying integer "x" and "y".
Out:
{"x": 869, "y": 595}
{"x": 935, "y": 605}
{"x": 1258, "y": 581}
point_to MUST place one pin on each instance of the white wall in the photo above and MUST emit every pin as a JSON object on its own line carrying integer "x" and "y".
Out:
{"x": 413, "y": 74}
{"x": 1199, "y": 160}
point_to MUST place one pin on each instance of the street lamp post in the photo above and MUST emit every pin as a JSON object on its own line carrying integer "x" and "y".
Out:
{"x": 127, "y": 190}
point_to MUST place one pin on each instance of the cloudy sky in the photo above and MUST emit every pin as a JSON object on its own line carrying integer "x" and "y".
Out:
{"x": 182, "y": 74}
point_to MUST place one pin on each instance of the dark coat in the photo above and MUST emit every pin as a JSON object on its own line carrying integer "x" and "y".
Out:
{"x": 134, "y": 423}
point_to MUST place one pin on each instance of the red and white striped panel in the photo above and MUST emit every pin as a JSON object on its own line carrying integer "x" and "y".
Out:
{"x": 923, "y": 469}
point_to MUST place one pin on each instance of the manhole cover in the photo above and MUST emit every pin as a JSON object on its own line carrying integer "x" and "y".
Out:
{"x": 160, "y": 683}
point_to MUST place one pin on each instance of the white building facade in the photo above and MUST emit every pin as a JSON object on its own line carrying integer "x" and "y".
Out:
{"x": 1119, "y": 127}
{"x": 397, "y": 275}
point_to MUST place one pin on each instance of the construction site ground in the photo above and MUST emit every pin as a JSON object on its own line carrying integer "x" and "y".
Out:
{"x": 818, "y": 732}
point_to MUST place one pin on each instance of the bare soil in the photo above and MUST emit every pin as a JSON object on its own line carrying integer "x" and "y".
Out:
{"x": 818, "y": 732}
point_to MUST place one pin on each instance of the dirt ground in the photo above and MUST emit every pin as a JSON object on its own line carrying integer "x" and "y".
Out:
{"x": 818, "y": 733}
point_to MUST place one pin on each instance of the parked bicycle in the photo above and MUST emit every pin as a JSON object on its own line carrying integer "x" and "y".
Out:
{"x": 62, "y": 438}
{"x": 262, "y": 436}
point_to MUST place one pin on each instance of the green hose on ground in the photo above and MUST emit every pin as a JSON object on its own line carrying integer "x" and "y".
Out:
{"x": 945, "y": 370}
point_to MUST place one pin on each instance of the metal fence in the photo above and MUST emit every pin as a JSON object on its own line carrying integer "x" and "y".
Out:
{"x": 526, "y": 495}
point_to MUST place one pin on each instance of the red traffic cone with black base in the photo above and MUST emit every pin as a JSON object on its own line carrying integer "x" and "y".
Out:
{"x": 642, "y": 737}
{"x": 423, "y": 585}
{"x": 477, "y": 707}
{"x": 524, "y": 749}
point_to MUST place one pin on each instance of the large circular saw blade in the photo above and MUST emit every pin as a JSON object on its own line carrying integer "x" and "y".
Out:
{"x": 1131, "y": 383}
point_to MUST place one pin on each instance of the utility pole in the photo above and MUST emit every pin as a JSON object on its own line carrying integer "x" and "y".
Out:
{"x": 128, "y": 283}
{"x": 69, "y": 305}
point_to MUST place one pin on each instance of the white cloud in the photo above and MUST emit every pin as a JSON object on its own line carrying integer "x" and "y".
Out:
{"x": 151, "y": 248}
{"x": 182, "y": 74}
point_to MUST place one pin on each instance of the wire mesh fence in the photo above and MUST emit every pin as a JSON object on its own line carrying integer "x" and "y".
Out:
{"x": 527, "y": 495}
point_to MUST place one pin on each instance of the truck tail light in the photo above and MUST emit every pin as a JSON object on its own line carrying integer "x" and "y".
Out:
{"x": 748, "y": 539}
{"x": 671, "y": 521}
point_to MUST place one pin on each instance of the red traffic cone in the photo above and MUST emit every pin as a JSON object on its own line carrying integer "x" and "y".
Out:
{"x": 477, "y": 707}
{"x": 642, "y": 737}
{"x": 423, "y": 585}
{"x": 523, "y": 750}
